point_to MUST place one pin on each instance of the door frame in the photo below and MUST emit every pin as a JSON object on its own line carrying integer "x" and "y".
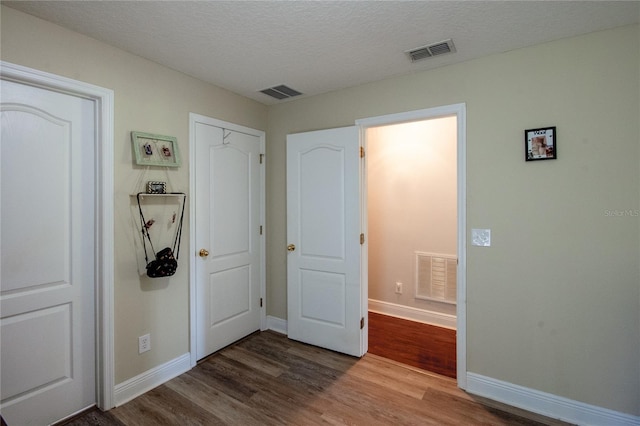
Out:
{"x": 104, "y": 212}
{"x": 193, "y": 120}
{"x": 458, "y": 110}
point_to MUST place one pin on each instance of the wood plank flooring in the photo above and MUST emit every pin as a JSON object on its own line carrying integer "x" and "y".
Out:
{"x": 413, "y": 343}
{"x": 267, "y": 379}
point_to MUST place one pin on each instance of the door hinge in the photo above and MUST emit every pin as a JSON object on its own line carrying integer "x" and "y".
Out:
{"x": 261, "y": 302}
{"x": 261, "y": 158}
{"x": 361, "y": 323}
{"x": 260, "y": 229}
{"x": 362, "y": 152}
{"x": 361, "y": 238}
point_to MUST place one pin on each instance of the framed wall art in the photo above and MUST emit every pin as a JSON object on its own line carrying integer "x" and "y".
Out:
{"x": 154, "y": 187}
{"x": 155, "y": 150}
{"x": 541, "y": 144}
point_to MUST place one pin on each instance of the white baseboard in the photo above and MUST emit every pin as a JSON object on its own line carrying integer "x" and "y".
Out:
{"x": 277, "y": 324}
{"x": 413, "y": 314}
{"x": 434, "y": 318}
{"x": 547, "y": 404}
{"x": 150, "y": 379}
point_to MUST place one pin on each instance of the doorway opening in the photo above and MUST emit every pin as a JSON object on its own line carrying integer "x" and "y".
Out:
{"x": 413, "y": 212}
{"x": 412, "y": 224}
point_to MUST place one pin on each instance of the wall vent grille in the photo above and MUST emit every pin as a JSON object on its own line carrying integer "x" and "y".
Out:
{"x": 428, "y": 51}
{"x": 436, "y": 277}
{"x": 281, "y": 92}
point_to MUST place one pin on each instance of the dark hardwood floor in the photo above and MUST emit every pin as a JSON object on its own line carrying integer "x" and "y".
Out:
{"x": 267, "y": 379}
{"x": 413, "y": 343}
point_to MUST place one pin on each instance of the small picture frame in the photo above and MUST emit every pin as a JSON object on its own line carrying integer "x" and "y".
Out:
{"x": 541, "y": 144}
{"x": 155, "y": 150}
{"x": 156, "y": 187}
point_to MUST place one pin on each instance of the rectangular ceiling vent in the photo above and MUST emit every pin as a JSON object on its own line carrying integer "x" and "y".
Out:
{"x": 281, "y": 92}
{"x": 435, "y": 49}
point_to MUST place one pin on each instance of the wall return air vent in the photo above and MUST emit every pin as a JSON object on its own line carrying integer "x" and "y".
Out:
{"x": 281, "y": 92}
{"x": 436, "y": 277}
{"x": 435, "y": 49}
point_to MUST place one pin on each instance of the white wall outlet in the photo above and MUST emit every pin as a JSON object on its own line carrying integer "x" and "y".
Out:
{"x": 399, "y": 288}
{"x": 144, "y": 343}
{"x": 481, "y": 237}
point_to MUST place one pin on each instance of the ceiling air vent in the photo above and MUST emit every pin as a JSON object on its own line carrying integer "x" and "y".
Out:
{"x": 281, "y": 92}
{"x": 434, "y": 49}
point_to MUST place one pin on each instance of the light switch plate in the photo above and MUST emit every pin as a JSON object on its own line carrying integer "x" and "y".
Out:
{"x": 481, "y": 237}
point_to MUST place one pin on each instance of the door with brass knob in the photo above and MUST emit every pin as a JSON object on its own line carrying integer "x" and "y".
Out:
{"x": 324, "y": 294}
{"x": 228, "y": 198}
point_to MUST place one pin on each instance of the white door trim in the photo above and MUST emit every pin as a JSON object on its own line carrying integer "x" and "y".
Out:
{"x": 193, "y": 120}
{"x": 458, "y": 110}
{"x": 104, "y": 212}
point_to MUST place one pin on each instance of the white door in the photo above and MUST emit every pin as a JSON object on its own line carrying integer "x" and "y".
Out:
{"x": 323, "y": 233}
{"x": 47, "y": 353}
{"x": 227, "y": 227}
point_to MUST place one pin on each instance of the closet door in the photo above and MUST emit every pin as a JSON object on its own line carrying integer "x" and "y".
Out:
{"x": 47, "y": 250}
{"x": 228, "y": 236}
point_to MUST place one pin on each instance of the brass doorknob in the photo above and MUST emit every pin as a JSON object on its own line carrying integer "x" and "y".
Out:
{"x": 291, "y": 247}
{"x": 203, "y": 253}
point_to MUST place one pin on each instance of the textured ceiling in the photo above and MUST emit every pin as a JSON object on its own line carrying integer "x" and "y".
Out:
{"x": 320, "y": 46}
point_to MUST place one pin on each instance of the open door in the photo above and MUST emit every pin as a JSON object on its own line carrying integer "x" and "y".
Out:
{"x": 323, "y": 232}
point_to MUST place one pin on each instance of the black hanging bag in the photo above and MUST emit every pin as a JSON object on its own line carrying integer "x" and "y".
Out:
{"x": 164, "y": 265}
{"x": 165, "y": 262}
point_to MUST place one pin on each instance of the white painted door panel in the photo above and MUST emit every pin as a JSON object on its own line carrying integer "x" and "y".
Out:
{"x": 47, "y": 352}
{"x": 227, "y": 202}
{"x": 323, "y": 222}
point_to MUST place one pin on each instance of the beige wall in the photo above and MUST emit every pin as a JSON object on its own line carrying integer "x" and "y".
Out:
{"x": 148, "y": 98}
{"x": 553, "y": 305}
{"x": 411, "y": 204}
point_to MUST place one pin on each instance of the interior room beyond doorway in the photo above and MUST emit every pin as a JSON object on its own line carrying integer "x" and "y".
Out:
{"x": 411, "y": 176}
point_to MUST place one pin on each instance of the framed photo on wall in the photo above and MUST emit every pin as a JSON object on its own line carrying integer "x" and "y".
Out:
{"x": 155, "y": 150}
{"x": 541, "y": 144}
